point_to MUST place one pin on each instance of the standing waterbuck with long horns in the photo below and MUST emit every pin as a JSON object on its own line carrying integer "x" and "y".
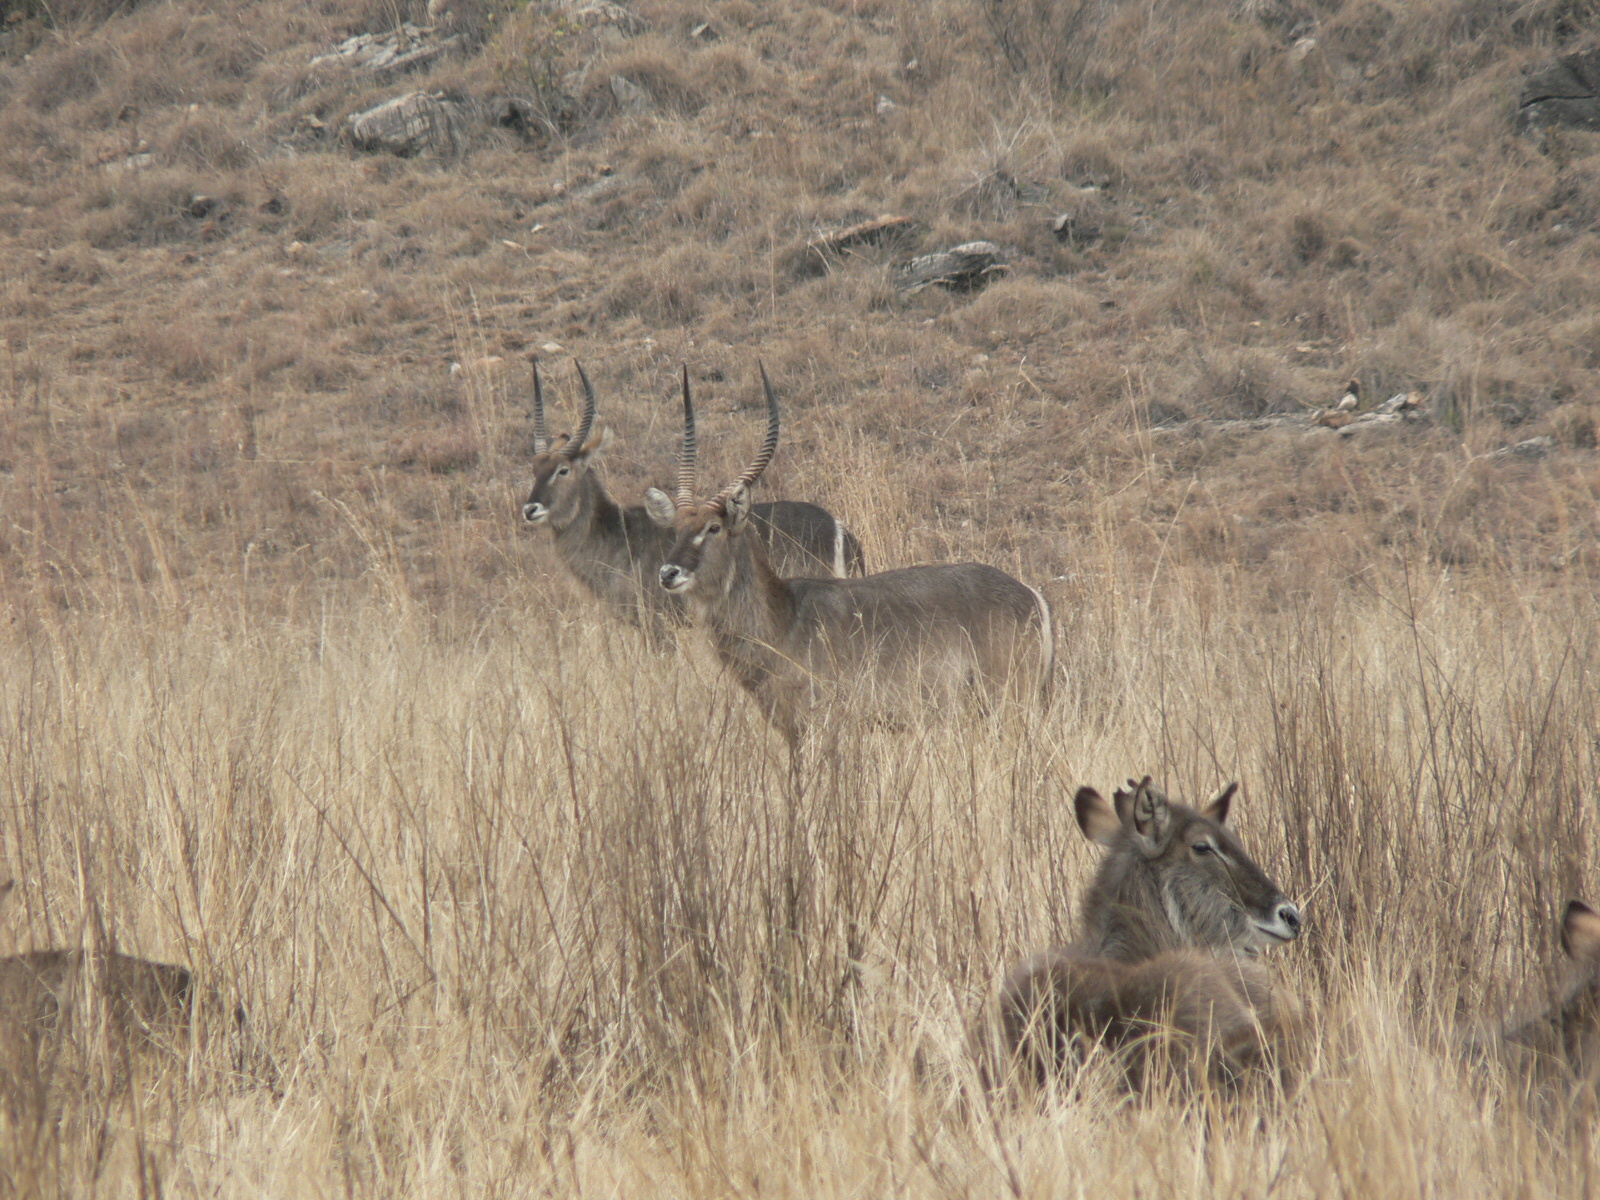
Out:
{"x": 616, "y": 552}
{"x": 1166, "y": 959}
{"x": 929, "y": 633}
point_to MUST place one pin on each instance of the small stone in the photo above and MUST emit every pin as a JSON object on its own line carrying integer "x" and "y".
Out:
{"x": 629, "y": 95}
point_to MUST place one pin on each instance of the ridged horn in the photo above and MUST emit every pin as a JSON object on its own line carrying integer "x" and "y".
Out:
{"x": 690, "y": 450}
{"x": 589, "y": 405}
{"x": 747, "y": 479}
{"x": 541, "y": 435}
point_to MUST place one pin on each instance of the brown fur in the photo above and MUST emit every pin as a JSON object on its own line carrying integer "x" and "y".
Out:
{"x": 1170, "y": 927}
{"x": 1213, "y": 1013}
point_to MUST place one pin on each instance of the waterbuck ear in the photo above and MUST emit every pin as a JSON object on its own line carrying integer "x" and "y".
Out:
{"x": 1580, "y": 931}
{"x": 1148, "y": 816}
{"x": 1123, "y": 798}
{"x": 593, "y": 446}
{"x": 659, "y": 507}
{"x": 1096, "y": 817}
{"x": 1217, "y": 810}
{"x": 738, "y": 507}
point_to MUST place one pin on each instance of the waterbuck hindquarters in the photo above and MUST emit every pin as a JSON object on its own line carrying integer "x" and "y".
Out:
{"x": 1207, "y": 1017}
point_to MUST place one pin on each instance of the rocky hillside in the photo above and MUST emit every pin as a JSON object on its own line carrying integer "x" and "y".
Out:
{"x": 268, "y": 265}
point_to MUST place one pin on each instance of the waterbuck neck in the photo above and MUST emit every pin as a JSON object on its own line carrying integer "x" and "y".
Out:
{"x": 754, "y": 607}
{"x": 1128, "y": 914}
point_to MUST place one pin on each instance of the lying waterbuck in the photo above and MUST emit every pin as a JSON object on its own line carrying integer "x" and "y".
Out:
{"x": 1171, "y": 925}
{"x": 59, "y": 1000}
{"x": 1554, "y": 1046}
{"x": 616, "y": 551}
{"x": 927, "y": 633}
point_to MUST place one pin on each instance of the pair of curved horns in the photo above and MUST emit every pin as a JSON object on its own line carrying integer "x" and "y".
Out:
{"x": 541, "y": 435}
{"x": 747, "y": 478}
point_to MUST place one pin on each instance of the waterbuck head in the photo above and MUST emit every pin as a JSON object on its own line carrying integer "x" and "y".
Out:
{"x": 1174, "y": 877}
{"x": 560, "y": 464}
{"x": 709, "y": 532}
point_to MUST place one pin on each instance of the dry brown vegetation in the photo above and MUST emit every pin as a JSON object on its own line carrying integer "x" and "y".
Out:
{"x": 515, "y": 904}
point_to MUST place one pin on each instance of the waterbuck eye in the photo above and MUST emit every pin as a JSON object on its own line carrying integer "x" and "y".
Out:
{"x": 1203, "y": 848}
{"x": 714, "y": 527}
{"x": 560, "y": 471}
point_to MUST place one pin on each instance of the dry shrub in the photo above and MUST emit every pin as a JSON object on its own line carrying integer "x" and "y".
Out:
{"x": 1240, "y": 383}
{"x": 668, "y": 166}
{"x": 1022, "y": 309}
{"x": 651, "y": 64}
{"x": 1055, "y": 43}
{"x": 66, "y": 73}
{"x": 1574, "y": 425}
{"x": 142, "y": 208}
{"x": 74, "y": 263}
{"x": 187, "y": 348}
{"x": 674, "y": 287}
{"x": 439, "y": 452}
{"x": 208, "y": 142}
{"x": 1307, "y": 236}
{"x": 32, "y": 148}
{"x": 723, "y": 70}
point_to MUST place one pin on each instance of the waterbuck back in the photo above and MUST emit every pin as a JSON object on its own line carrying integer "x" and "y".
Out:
{"x": 616, "y": 552}
{"x": 1169, "y": 930}
{"x": 926, "y": 636}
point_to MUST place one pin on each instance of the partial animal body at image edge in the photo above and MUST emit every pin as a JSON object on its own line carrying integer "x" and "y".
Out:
{"x": 1170, "y": 928}
{"x": 1553, "y": 1047}
{"x": 937, "y": 632}
{"x": 616, "y": 552}
{"x": 51, "y": 996}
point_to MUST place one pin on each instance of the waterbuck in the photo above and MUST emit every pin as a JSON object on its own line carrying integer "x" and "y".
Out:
{"x": 57, "y": 1000}
{"x": 1166, "y": 958}
{"x": 616, "y": 551}
{"x": 931, "y": 633}
{"x": 1554, "y": 1046}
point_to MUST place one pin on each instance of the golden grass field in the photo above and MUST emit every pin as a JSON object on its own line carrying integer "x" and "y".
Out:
{"x": 519, "y": 906}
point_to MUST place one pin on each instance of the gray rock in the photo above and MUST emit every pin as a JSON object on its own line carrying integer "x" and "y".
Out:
{"x": 630, "y": 96}
{"x": 1532, "y": 448}
{"x": 416, "y": 123}
{"x": 596, "y": 14}
{"x": 962, "y": 268}
{"x": 1565, "y": 91}
{"x": 384, "y": 54}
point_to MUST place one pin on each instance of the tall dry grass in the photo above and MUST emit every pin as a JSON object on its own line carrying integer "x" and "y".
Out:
{"x": 518, "y": 905}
